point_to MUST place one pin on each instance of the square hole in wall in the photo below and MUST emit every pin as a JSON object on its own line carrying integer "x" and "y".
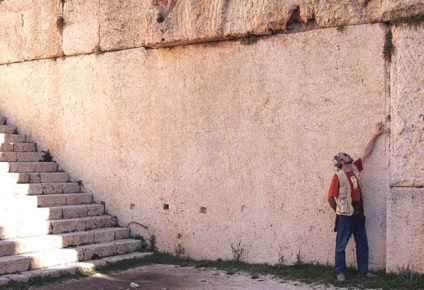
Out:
{"x": 203, "y": 209}
{"x": 166, "y": 206}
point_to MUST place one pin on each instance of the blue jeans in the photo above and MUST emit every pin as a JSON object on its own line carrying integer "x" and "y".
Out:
{"x": 347, "y": 226}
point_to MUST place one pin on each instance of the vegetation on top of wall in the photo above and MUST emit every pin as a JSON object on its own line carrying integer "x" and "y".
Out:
{"x": 249, "y": 40}
{"x": 414, "y": 20}
{"x": 60, "y": 23}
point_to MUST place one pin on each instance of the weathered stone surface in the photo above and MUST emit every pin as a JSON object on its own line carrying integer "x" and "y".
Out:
{"x": 31, "y": 32}
{"x": 10, "y": 34}
{"x": 405, "y": 230}
{"x": 12, "y": 264}
{"x": 221, "y": 133}
{"x": 407, "y": 88}
{"x": 82, "y": 27}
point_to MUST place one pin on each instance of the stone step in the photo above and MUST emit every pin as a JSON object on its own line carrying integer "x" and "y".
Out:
{"x": 48, "y": 177}
{"x": 18, "y": 147}
{"x": 51, "y": 242}
{"x": 39, "y": 260}
{"x": 70, "y": 269}
{"x": 39, "y": 188}
{"x": 52, "y": 213}
{"x": 11, "y": 230}
{"x": 21, "y": 156}
{"x": 8, "y": 129}
{"x": 2, "y": 120}
{"x": 48, "y": 200}
{"x": 16, "y": 138}
{"x": 27, "y": 167}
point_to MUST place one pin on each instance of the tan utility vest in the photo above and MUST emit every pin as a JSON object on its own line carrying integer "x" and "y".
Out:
{"x": 344, "y": 200}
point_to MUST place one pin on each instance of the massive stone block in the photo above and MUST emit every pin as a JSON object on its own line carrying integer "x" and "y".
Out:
{"x": 405, "y": 230}
{"x": 10, "y": 32}
{"x": 81, "y": 26}
{"x": 29, "y": 30}
{"x": 217, "y": 145}
{"x": 407, "y": 90}
{"x": 33, "y": 29}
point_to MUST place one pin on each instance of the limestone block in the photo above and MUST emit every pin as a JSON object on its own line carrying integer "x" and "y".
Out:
{"x": 66, "y": 226}
{"x": 95, "y": 209}
{"x": 103, "y": 235}
{"x": 13, "y": 264}
{"x": 24, "y": 147}
{"x": 74, "y": 212}
{"x": 6, "y": 147}
{"x": 123, "y": 24}
{"x": 41, "y": 36}
{"x": 7, "y": 129}
{"x": 51, "y": 200}
{"x": 407, "y": 81}
{"x": 20, "y": 156}
{"x": 78, "y": 198}
{"x": 405, "y": 230}
{"x": 11, "y": 22}
{"x": 7, "y": 248}
{"x": 11, "y": 138}
{"x": 78, "y": 238}
{"x": 33, "y": 228}
{"x": 57, "y": 177}
{"x": 81, "y": 30}
{"x": 164, "y": 23}
{"x": 96, "y": 251}
{"x": 52, "y": 188}
{"x": 52, "y": 258}
{"x": 28, "y": 177}
{"x": 8, "y": 232}
{"x": 26, "y": 167}
{"x": 121, "y": 233}
{"x": 127, "y": 246}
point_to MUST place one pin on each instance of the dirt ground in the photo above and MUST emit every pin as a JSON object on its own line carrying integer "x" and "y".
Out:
{"x": 167, "y": 277}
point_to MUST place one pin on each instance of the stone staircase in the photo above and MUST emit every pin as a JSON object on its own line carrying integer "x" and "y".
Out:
{"x": 48, "y": 227}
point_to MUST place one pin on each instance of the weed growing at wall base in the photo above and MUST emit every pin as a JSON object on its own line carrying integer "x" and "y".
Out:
{"x": 306, "y": 273}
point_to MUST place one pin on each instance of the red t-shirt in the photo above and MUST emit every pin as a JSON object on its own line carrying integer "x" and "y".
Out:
{"x": 353, "y": 181}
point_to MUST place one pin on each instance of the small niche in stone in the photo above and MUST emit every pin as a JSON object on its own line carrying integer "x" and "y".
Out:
{"x": 166, "y": 206}
{"x": 203, "y": 209}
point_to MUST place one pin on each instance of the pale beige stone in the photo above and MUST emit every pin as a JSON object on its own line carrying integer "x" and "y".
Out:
{"x": 72, "y": 199}
{"x": 74, "y": 212}
{"x": 41, "y": 38}
{"x": 57, "y": 177}
{"x": 82, "y": 27}
{"x": 52, "y": 258}
{"x": 13, "y": 264}
{"x": 11, "y": 22}
{"x": 96, "y": 251}
{"x": 51, "y": 200}
{"x": 104, "y": 235}
{"x": 229, "y": 128}
{"x": 407, "y": 88}
{"x": 31, "y": 30}
{"x": 405, "y": 216}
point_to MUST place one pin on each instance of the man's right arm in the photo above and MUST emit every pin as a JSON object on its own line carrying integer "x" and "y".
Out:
{"x": 332, "y": 202}
{"x": 333, "y": 191}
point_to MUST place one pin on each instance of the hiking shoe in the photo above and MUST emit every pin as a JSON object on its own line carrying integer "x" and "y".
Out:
{"x": 341, "y": 277}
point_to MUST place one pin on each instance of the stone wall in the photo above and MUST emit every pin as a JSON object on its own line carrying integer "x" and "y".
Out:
{"x": 222, "y": 145}
{"x": 405, "y": 223}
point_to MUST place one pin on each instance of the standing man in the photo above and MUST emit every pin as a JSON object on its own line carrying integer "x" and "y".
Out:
{"x": 345, "y": 198}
